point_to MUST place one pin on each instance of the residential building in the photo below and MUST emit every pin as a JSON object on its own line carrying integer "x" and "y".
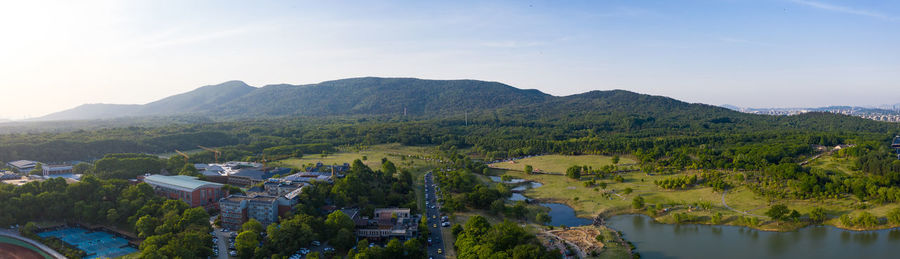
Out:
{"x": 233, "y": 211}
{"x": 23, "y": 166}
{"x": 263, "y": 209}
{"x": 186, "y": 188}
{"x": 237, "y": 209}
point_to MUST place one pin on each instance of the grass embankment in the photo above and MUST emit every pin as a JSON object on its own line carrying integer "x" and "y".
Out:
{"x": 743, "y": 202}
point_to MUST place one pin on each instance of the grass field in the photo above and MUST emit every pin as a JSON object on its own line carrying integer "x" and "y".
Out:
{"x": 591, "y": 201}
{"x": 402, "y": 156}
{"x": 834, "y": 164}
{"x": 559, "y": 163}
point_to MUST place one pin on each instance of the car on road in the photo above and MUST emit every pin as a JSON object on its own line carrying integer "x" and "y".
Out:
{"x": 440, "y": 251}
{"x": 434, "y": 225}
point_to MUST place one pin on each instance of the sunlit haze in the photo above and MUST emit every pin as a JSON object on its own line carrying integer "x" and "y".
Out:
{"x": 754, "y": 53}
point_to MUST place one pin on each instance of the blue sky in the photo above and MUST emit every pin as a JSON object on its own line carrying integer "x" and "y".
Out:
{"x": 761, "y": 53}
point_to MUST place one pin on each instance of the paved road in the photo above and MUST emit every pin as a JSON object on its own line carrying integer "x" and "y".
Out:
{"x": 432, "y": 211}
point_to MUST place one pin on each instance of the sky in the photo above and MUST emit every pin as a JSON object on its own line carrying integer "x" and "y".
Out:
{"x": 56, "y": 55}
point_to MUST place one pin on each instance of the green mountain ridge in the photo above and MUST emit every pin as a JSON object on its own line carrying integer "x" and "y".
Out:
{"x": 377, "y": 96}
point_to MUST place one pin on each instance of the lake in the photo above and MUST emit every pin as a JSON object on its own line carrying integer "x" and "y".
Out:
{"x": 656, "y": 240}
{"x": 561, "y": 214}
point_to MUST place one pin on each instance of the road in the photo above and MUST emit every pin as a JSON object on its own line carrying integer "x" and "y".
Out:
{"x": 432, "y": 211}
{"x": 223, "y": 240}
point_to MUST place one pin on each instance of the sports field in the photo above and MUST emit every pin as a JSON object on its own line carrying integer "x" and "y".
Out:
{"x": 95, "y": 244}
{"x": 12, "y": 248}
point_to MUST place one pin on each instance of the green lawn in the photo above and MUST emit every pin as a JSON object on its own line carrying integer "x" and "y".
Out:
{"x": 402, "y": 156}
{"x": 591, "y": 201}
{"x": 834, "y": 164}
{"x": 559, "y": 163}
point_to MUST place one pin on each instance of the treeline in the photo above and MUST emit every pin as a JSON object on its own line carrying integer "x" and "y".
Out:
{"x": 479, "y": 239}
{"x": 171, "y": 228}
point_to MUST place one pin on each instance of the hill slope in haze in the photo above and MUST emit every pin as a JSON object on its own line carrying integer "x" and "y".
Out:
{"x": 392, "y": 96}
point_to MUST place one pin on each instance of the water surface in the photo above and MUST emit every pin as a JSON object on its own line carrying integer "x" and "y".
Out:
{"x": 656, "y": 240}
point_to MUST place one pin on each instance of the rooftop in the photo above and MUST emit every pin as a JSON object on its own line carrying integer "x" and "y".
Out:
{"x": 23, "y": 163}
{"x": 183, "y": 182}
{"x": 258, "y": 174}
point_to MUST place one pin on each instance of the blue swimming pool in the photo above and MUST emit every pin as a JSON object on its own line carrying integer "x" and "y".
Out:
{"x": 97, "y": 244}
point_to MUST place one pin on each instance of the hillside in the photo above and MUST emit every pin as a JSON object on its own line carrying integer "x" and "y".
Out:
{"x": 615, "y": 110}
{"x": 93, "y": 111}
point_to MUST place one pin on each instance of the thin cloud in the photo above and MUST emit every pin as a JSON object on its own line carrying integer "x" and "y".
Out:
{"x": 167, "y": 42}
{"x": 847, "y": 10}
{"x": 744, "y": 41}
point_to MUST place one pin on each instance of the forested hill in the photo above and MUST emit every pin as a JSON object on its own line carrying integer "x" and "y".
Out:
{"x": 354, "y": 96}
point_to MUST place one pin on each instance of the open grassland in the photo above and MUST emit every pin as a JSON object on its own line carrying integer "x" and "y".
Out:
{"x": 559, "y": 163}
{"x": 591, "y": 201}
{"x": 402, "y": 156}
{"x": 833, "y": 164}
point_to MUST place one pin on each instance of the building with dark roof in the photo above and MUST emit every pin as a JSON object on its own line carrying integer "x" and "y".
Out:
{"x": 186, "y": 188}
{"x": 253, "y": 176}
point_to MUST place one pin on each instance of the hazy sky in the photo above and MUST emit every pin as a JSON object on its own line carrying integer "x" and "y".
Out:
{"x": 754, "y": 53}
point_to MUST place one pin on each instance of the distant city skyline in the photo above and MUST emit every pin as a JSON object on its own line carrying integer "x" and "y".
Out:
{"x": 756, "y": 54}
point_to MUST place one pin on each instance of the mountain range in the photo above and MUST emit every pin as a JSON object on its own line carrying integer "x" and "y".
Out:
{"x": 373, "y": 96}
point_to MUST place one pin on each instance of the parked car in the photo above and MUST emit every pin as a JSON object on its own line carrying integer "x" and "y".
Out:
{"x": 316, "y": 243}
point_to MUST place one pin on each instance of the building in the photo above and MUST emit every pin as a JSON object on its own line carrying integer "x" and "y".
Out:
{"x": 276, "y": 187}
{"x": 896, "y": 145}
{"x": 388, "y": 223}
{"x": 51, "y": 170}
{"x": 237, "y": 209}
{"x": 186, "y": 188}
{"x": 309, "y": 177}
{"x": 253, "y": 176}
{"x": 23, "y": 166}
{"x": 233, "y": 211}
{"x": 7, "y": 175}
{"x": 263, "y": 209}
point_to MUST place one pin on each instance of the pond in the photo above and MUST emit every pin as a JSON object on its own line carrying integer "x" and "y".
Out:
{"x": 497, "y": 179}
{"x": 561, "y": 214}
{"x": 656, "y": 240}
{"x": 524, "y": 187}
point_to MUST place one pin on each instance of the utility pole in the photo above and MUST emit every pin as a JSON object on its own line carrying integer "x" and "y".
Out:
{"x": 467, "y": 118}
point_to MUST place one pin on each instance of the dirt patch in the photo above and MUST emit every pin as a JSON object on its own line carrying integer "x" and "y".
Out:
{"x": 583, "y": 237}
{"x": 12, "y": 251}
